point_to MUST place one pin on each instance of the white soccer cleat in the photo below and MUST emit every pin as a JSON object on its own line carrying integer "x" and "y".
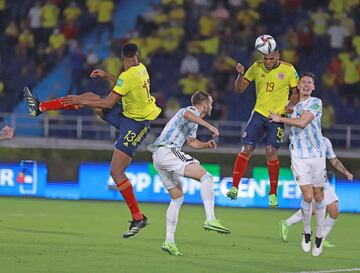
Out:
{"x": 306, "y": 242}
{"x": 318, "y": 246}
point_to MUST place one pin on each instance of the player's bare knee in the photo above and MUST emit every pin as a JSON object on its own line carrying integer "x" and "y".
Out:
{"x": 117, "y": 174}
{"x": 333, "y": 210}
{"x": 318, "y": 198}
{"x": 247, "y": 149}
{"x": 319, "y": 195}
{"x": 176, "y": 193}
{"x": 271, "y": 153}
{"x": 308, "y": 197}
{"x": 334, "y": 214}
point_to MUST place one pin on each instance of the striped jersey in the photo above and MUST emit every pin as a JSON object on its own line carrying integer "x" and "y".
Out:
{"x": 177, "y": 130}
{"x": 307, "y": 142}
{"x": 329, "y": 152}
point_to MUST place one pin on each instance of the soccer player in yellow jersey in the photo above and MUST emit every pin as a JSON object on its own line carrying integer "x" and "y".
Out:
{"x": 273, "y": 81}
{"x": 132, "y": 117}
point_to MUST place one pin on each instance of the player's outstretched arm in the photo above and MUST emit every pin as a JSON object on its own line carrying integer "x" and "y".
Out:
{"x": 6, "y": 133}
{"x": 194, "y": 118}
{"x": 301, "y": 122}
{"x": 99, "y": 73}
{"x": 336, "y": 163}
{"x": 240, "y": 83}
{"x": 197, "y": 144}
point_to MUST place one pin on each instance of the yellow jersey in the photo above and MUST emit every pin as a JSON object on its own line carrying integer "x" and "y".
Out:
{"x": 272, "y": 86}
{"x": 134, "y": 85}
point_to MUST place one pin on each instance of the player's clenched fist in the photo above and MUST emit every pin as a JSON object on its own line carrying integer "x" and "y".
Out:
{"x": 214, "y": 131}
{"x": 211, "y": 144}
{"x": 240, "y": 68}
{"x": 6, "y": 133}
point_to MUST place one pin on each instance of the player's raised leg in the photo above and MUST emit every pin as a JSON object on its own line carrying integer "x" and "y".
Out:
{"x": 285, "y": 225}
{"x": 36, "y": 107}
{"x": 332, "y": 207}
{"x": 196, "y": 171}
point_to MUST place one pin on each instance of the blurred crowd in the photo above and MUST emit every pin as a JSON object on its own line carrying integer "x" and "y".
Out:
{"x": 37, "y": 35}
{"x": 190, "y": 45}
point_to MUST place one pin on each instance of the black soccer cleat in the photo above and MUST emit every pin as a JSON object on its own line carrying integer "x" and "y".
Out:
{"x": 32, "y": 102}
{"x": 135, "y": 226}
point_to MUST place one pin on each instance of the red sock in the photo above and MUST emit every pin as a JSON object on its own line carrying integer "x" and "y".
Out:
{"x": 240, "y": 166}
{"x": 56, "y": 105}
{"x": 273, "y": 168}
{"x": 127, "y": 192}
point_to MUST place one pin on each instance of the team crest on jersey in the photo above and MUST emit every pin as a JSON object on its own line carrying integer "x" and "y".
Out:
{"x": 281, "y": 76}
{"x": 244, "y": 134}
{"x": 119, "y": 82}
{"x": 315, "y": 107}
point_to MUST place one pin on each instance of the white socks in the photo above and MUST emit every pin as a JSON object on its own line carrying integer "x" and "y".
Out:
{"x": 328, "y": 225}
{"x": 207, "y": 196}
{"x": 172, "y": 215}
{"x": 320, "y": 210}
{"x": 297, "y": 217}
{"x": 306, "y": 212}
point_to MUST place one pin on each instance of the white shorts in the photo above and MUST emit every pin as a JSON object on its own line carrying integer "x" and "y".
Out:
{"x": 329, "y": 195}
{"x": 170, "y": 164}
{"x": 309, "y": 171}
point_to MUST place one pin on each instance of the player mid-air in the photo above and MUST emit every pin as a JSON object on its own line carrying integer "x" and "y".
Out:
{"x": 172, "y": 164}
{"x": 132, "y": 117}
{"x": 308, "y": 158}
{"x": 330, "y": 199}
{"x": 273, "y": 81}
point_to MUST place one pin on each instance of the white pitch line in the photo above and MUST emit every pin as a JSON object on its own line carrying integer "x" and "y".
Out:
{"x": 329, "y": 271}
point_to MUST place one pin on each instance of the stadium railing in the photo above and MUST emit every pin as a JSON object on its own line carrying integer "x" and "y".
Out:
{"x": 93, "y": 128}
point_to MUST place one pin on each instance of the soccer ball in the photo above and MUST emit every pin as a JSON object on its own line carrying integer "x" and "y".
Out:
{"x": 265, "y": 44}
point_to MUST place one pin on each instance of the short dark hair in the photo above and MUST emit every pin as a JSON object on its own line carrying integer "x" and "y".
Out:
{"x": 129, "y": 50}
{"x": 199, "y": 97}
{"x": 308, "y": 74}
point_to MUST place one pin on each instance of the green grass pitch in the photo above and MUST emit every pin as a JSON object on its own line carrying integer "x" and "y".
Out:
{"x": 50, "y": 236}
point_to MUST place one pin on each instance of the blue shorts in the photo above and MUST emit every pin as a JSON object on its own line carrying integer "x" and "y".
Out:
{"x": 259, "y": 127}
{"x": 131, "y": 132}
{"x": 113, "y": 115}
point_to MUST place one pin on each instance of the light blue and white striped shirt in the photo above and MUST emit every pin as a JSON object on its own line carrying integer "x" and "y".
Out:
{"x": 177, "y": 130}
{"x": 307, "y": 142}
{"x": 329, "y": 152}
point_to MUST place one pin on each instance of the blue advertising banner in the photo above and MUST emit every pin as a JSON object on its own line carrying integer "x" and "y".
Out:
{"x": 96, "y": 183}
{"x": 28, "y": 178}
